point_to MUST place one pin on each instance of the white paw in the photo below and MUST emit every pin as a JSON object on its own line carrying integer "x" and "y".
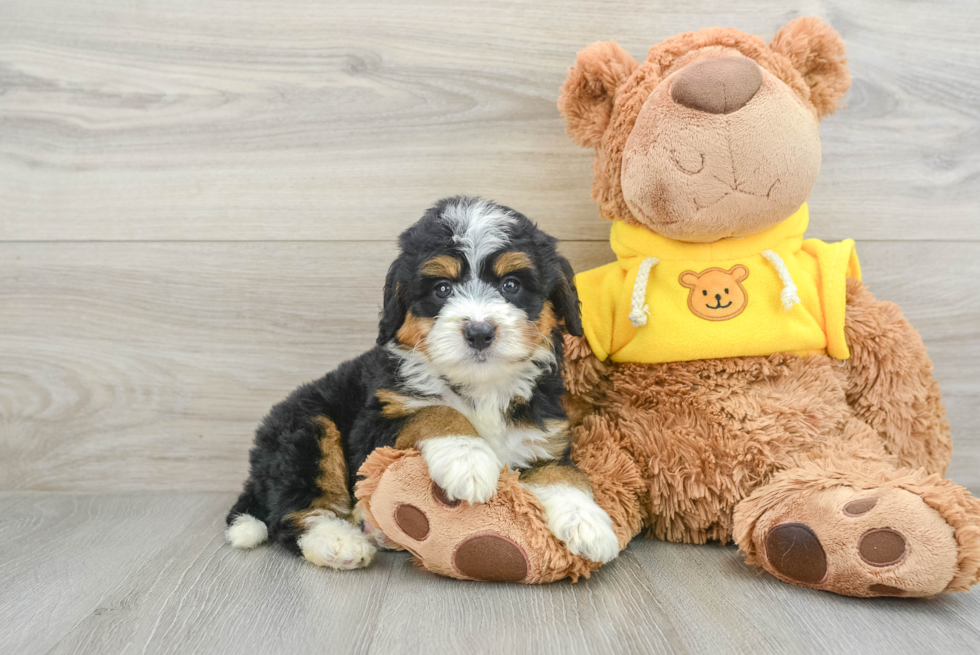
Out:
{"x": 335, "y": 543}
{"x": 465, "y": 467}
{"x": 246, "y": 532}
{"x": 573, "y": 516}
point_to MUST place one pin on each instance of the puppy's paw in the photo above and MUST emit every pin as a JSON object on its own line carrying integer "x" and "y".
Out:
{"x": 573, "y": 516}
{"x": 246, "y": 532}
{"x": 335, "y": 543}
{"x": 465, "y": 467}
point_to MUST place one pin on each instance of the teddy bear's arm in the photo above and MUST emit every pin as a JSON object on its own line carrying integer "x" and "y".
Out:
{"x": 585, "y": 378}
{"x": 890, "y": 383}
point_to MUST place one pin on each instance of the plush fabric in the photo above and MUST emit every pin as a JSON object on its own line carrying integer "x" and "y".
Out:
{"x": 668, "y": 57}
{"x": 502, "y": 540}
{"x": 689, "y": 279}
{"x": 826, "y": 472}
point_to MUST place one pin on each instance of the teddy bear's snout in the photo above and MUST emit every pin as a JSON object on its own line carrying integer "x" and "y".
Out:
{"x": 718, "y": 86}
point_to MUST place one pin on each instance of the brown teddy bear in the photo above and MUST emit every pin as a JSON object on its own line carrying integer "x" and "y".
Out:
{"x": 736, "y": 381}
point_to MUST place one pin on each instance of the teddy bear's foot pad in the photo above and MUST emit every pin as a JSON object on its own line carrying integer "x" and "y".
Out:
{"x": 794, "y": 550}
{"x": 502, "y": 540}
{"x": 491, "y": 558}
{"x": 884, "y": 542}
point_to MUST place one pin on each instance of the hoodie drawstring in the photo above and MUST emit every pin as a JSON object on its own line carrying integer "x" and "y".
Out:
{"x": 790, "y": 294}
{"x": 639, "y": 310}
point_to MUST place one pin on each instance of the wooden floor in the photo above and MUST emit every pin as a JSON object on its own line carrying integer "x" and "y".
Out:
{"x": 198, "y": 201}
{"x": 149, "y": 573}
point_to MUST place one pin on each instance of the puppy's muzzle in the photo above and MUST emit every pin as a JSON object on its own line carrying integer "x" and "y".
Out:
{"x": 479, "y": 334}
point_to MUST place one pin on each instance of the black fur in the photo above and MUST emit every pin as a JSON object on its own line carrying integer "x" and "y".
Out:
{"x": 432, "y": 236}
{"x": 284, "y": 462}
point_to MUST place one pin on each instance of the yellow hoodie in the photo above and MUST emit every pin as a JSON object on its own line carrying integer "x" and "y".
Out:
{"x": 669, "y": 301}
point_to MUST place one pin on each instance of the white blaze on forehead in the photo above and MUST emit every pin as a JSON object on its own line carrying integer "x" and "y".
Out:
{"x": 479, "y": 228}
{"x": 479, "y": 385}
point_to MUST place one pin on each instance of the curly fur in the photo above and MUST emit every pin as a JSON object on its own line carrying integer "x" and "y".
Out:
{"x": 589, "y": 93}
{"x": 727, "y": 449}
{"x": 816, "y": 50}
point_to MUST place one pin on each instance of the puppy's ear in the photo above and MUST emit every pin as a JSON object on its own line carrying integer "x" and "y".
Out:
{"x": 589, "y": 92}
{"x": 817, "y": 51}
{"x": 564, "y": 298}
{"x": 393, "y": 311}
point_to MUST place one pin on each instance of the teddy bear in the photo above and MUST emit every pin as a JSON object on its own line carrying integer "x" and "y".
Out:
{"x": 736, "y": 381}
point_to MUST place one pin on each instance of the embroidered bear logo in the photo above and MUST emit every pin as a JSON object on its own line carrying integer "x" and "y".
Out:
{"x": 716, "y": 294}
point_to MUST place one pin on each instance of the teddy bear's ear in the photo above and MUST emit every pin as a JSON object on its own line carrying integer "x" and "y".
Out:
{"x": 817, "y": 51}
{"x": 589, "y": 93}
{"x": 688, "y": 279}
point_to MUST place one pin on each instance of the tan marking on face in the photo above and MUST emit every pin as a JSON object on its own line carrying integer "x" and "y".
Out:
{"x": 442, "y": 266}
{"x": 435, "y": 421}
{"x": 549, "y": 474}
{"x": 413, "y": 331}
{"x": 716, "y": 294}
{"x": 547, "y": 322}
{"x": 334, "y": 498}
{"x": 538, "y": 333}
{"x": 509, "y": 262}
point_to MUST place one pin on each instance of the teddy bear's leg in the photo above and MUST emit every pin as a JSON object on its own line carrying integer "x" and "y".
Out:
{"x": 506, "y": 538}
{"x": 848, "y": 524}
{"x": 890, "y": 384}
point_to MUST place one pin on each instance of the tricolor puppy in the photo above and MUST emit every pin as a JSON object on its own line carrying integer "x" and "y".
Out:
{"x": 467, "y": 369}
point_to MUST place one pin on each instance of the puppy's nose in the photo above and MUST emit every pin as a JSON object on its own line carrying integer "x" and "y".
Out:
{"x": 479, "y": 334}
{"x": 717, "y": 86}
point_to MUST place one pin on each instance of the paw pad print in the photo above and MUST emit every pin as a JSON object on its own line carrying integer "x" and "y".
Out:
{"x": 876, "y": 544}
{"x": 470, "y": 548}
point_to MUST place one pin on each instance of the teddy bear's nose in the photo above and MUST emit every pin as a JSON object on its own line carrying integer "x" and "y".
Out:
{"x": 717, "y": 86}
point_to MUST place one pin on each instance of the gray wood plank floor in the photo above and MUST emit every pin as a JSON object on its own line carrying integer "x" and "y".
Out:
{"x": 149, "y": 573}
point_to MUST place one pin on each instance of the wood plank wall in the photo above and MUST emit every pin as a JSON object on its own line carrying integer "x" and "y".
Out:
{"x": 198, "y": 198}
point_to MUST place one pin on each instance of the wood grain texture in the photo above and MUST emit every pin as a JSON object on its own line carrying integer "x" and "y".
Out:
{"x": 147, "y": 366}
{"x": 61, "y": 556}
{"x": 725, "y": 606}
{"x": 216, "y": 119}
{"x": 149, "y": 573}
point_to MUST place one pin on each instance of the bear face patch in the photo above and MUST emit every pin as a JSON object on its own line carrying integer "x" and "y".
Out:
{"x": 716, "y": 294}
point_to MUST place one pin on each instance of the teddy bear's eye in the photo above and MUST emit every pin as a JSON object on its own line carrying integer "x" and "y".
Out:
{"x": 726, "y": 291}
{"x": 704, "y": 291}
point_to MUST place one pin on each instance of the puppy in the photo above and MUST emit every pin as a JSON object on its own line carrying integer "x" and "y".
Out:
{"x": 467, "y": 369}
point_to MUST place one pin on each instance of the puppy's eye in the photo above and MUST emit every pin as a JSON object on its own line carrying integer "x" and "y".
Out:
{"x": 510, "y": 286}
{"x": 443, "y": 289}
